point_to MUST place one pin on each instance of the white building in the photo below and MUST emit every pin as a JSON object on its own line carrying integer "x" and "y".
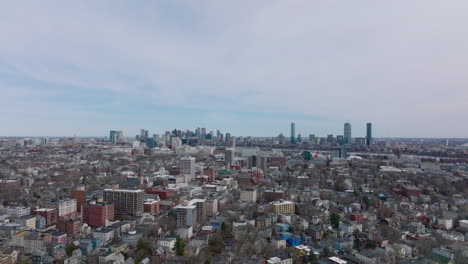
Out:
{"x": 18, "y": 211}
{"x": 446, "y": 223}
{"x": 185, "y": 232}
{"x": 229, "y": 155}
{"x": 276, "y": 260}
{"x": 65, "y": 208}
{"x": 176, "y": 143}
{"x": 187, "y": 166}
{"x": 168, "y": 243}
{"x": 278, "y": 242}
{"x": 103, "y": 234}
{"x": 248, "y": 195}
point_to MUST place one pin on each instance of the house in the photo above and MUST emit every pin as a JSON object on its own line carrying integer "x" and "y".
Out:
{"x": 168, "y": 243}
{"x": 366, "y": 257}
{"x": 103, "y": 235}
{"x": 291, "y": 239}
{"x": 343, "y": 244}
{"x": 278, "y": 242}
{"x": 350, "y": 226}
{"x": 278, "y": 260}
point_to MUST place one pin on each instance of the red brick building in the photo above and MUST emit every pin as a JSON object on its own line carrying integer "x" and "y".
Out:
{"x": 80, "y": 196}
{"x": 151, "y": 206}
{"x": 50, "y": 215}
{"x": 68, "y": 226}
{"x": 8, "y": 185}
{"x": 97, "y": 214}
{"x": 164, "y": 194}
{"x": 358, "y": 217}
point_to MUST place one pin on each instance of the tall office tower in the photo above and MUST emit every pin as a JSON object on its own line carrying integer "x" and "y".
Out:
{"x": 369, "y": 134}
{"x": 112, "y": 136}
{"x": 126, "y": 202}
{"x": 203, "y": 133}
{"x": 143, "y": 135}
{"x": 218, "y": 134}
{"x": 347, "y": 133}
{"x": 176, "y": 143}
{"x": 330, "y": 138}
{"x": 228, "y": 138}
{"x": 229, "y": 155}
{"x": 150, "y": 143}
{"x": 293, "y": 133}
{"x": 119, "y": 136}
{"x": 312, "y": 138}
{"x": 187, "y": 166}
{"x": 233, "y": 142}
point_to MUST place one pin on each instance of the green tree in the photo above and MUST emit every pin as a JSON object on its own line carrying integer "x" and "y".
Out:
{"x": 326, "y": 253}
{"x": 335, "y": 220}
{"x": 223, "y": 228}
{"x": 311, "y": 257}
{"x": 179, "y": 246}
{"x": 366, "y": 201}
{"x": 69, "y": 250}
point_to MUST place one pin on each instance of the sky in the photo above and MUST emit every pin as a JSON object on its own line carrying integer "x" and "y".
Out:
{"x": 245, "y": 67}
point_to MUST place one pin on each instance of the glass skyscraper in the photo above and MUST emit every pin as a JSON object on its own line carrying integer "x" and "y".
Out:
{"x": 369, "y": 134}
{"x": 293, "y": 133}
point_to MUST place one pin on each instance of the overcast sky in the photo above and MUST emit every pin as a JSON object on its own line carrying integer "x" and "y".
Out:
{"x": 246, "y": 67}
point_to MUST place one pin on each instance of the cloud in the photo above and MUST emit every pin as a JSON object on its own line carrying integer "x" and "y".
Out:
{"x": 399, "y": 64}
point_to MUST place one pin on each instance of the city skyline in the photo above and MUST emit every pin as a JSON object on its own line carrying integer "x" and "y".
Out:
{"x": 247, "y": 67}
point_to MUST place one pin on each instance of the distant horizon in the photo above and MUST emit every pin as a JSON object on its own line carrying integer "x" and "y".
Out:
{"x": 306, "y": 138}
{"x": 249, "y": 67}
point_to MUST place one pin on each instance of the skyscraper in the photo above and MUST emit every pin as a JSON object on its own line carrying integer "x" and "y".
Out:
{"x": 347, "y": 133}
{"x": 143, "y": 135}
{"x": 369, "y": 134}
{"x": 293, "y": 133}
{"x": 229, "y": 155}
{"x": 112, "y": 136}
{"x": 119, "y": 136}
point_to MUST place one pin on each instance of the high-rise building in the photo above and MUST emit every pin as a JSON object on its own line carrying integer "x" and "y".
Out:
{"x": 191, "y": 213}
{"x": 119, "y": 136}
{"x": 112, "y": 136}
{"x": 293, "y": 133}
{"x": 369, "y": 134}
{"x": 347, "y": 133}
{"x": 229, "y": 155}
{"x": 228, "y": 138}
{"x": 115, "y": 136}
{"x": 176, "y": 143}
{"x": 143, "y": 135}
{"x": 187, "y": 166}
{"x": 126, "y": 202}
{"x": 97, "y": 214}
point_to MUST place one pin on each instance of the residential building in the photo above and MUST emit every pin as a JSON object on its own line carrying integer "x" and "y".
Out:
{"x": 283, "y": 207}
{"x": 126, "y": 202}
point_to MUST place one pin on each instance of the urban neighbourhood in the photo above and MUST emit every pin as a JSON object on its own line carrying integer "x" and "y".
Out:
{"x": 207, "y": 197}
